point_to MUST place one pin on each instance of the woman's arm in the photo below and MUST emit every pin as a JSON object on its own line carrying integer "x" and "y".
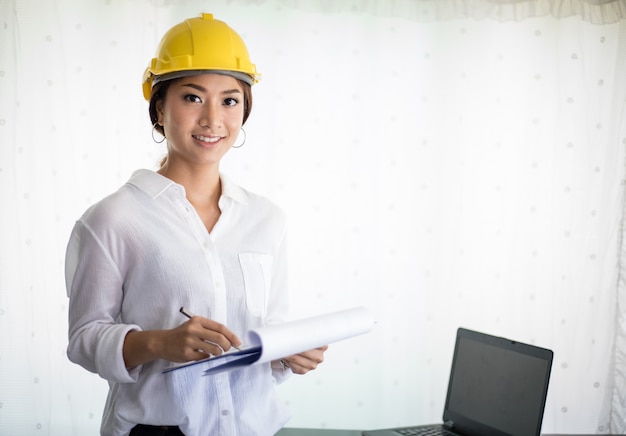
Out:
{"x": 192, "y": 340}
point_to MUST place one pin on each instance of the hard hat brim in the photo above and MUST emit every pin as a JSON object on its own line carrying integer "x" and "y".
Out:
{"x": 246, "y": 78}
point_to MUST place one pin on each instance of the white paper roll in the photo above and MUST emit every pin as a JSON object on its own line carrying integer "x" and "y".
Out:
{"x": 282, "y": 340}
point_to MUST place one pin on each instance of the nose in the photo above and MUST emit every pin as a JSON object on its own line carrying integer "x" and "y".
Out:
{"x": 210, "y": 116}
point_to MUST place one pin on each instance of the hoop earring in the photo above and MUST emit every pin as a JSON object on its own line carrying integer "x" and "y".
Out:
{"x": 153, "y": 130}
{"x": 244, "y": 139}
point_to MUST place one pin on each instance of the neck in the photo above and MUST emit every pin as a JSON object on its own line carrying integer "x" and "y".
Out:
{"x": 202, "y": 184}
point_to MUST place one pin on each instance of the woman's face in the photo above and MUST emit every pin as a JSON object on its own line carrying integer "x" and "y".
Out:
{"x": 201, "y": 116}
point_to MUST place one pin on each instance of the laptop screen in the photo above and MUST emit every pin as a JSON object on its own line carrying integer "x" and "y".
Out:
{"x": 497, "y": 386}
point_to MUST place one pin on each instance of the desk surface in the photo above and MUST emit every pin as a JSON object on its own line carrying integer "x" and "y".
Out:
{"x": 331, "y": 432}
{"x": 317, "y": 431}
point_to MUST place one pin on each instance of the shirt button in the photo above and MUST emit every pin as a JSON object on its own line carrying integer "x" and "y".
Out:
{"x": 225, "y": 413}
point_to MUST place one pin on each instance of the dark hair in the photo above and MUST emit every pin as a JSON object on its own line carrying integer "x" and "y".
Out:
{"x": 160, "y": 91}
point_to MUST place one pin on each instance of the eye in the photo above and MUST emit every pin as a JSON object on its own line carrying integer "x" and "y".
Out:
{"x": 192, "y": 98}
{"x": 230, "y": 101}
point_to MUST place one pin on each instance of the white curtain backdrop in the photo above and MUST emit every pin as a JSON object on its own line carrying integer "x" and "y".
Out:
{"x": 445, "y": 163}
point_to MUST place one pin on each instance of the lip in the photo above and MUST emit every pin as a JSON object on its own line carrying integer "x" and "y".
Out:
{"x": 207, "y": 140}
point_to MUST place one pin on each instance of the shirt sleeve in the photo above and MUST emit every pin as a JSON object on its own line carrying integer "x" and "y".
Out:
{"x": 94, "y": 287}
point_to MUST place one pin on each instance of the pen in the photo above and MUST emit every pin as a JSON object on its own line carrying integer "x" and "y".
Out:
{"x": 189, "y": 315}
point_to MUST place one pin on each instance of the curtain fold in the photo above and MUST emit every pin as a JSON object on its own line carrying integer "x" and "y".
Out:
{"x": 617, "y": 408}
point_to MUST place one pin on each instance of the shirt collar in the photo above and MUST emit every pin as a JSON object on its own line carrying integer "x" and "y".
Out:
{"x": 232, "y": 190}
{"x": 154, "y": 184}
{"x": 150, "y": 182}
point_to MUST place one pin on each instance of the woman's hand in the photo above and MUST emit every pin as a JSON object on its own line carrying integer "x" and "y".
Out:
{"x": 307, "y": 361}
{"x": 193, "y": 340}
{"x": 196, "y": 339}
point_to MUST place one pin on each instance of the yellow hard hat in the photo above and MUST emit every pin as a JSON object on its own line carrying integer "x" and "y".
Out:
{"x": 198, "y": 45}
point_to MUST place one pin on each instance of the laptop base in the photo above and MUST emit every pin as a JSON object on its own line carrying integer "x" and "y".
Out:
{"x": 419, "y": 430}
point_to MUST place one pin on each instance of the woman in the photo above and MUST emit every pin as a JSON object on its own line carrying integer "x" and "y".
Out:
{"x": 184, "y": 236}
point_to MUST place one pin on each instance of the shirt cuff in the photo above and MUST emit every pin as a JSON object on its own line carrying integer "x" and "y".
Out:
{"x": 280, "y": 372}
{"x": 109, "y": 354}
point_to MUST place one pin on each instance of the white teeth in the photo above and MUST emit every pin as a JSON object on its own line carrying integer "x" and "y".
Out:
{"x": 207, "y": 139}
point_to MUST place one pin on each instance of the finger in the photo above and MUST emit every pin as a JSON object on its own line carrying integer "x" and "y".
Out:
{"x": 217, "y": 340}
{"x": 211, "y": 348}
{"x": 225, "y": 332}
{"x": 316, "y": 355}
{"x": 297, "y": 368}
{"x": 194, "y": 347}
{"x": 301, "y": 364}
{"x": 216, "y": 333}
{"x": 307, "y": 361}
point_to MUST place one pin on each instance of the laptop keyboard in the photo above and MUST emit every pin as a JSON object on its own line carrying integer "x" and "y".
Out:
{"x": 425, "y": 431}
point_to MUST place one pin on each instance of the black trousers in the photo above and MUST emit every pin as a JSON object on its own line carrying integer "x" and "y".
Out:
{"x": 155, "y": 430}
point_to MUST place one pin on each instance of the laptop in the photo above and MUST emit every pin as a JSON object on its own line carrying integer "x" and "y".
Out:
{"x": 497, "y": 387}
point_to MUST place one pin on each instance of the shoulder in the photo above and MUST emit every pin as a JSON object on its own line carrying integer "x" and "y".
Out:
{"x": 128, "y": 200}
{"x": 109, "y": 207}
{"x": 114, "y": 212}
{"x": 262, "y": 203}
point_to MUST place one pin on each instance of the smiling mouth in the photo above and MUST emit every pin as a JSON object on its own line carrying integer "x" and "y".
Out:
{"x": 207, "y": 139}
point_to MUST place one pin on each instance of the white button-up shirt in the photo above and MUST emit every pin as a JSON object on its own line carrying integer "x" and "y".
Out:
{"x": 134, "y": 259}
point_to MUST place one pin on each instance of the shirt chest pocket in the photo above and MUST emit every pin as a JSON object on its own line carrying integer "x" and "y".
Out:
{"x": 257, "y": 280}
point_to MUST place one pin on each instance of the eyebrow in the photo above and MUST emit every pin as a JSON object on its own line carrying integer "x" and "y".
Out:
{"x": 203, "y": 89}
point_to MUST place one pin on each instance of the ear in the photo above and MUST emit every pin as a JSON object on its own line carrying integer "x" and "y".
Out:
{"x": 159, "y": 111}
